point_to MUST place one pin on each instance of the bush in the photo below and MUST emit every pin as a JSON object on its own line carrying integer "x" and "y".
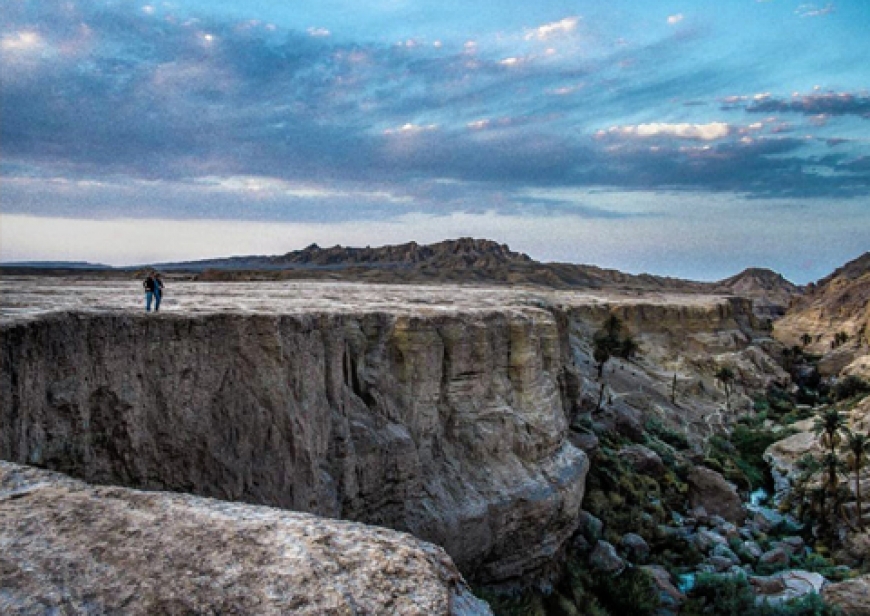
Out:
{"x": 666, "y": 434}
{"x": 724, "y": 595}
{"x": 850, "y": 387}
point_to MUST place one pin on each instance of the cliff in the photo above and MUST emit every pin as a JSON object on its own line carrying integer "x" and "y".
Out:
{"x": 451, "y": 427}
{"x": 73, "y": 548}
{"x": 836, "y": 305}
{"x": 442, "y": 411}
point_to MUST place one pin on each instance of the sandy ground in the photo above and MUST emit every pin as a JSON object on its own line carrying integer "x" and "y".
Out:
{"x": 30, "y": 296}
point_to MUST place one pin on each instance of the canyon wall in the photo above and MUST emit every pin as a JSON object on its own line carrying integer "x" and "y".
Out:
{"x": 450, "y": 426}
{"x": 446, "y": 416}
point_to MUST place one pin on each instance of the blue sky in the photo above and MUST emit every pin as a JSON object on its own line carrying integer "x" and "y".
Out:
{"x": 683, "y": 138}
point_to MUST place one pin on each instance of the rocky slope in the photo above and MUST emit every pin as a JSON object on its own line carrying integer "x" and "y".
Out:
{"x": 837, "y": 304}
{"x": 73, "y": 548}
{"x": 770, "y": 291}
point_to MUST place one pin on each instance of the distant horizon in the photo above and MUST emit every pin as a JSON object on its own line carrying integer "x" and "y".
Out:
{"x": 84, "y": 264}
{"x": 690, "y": 139}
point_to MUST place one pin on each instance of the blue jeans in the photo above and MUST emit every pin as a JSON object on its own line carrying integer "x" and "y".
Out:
{"x": 157, "y": 297}
{"x": 148, "y": 296}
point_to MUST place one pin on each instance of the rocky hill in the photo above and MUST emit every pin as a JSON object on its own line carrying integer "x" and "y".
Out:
{"x": 463, "y": 260}
{"x": 834, "y": 314}
{"x": 770, "y": 291}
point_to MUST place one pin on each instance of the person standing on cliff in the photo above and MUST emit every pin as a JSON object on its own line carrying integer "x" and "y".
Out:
{"x": 158, "y": 291}
{"x": 149, "y": 286}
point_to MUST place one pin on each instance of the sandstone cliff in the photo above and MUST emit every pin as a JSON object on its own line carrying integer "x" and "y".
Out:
{"x": 71, "y": 548}
{"x": 838, "y": 304}
{"x": 451, "y": 427}
{"x": 444, "y": 411}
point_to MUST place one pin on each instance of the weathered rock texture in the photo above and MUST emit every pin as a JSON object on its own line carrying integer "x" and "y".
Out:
{"x": 71, "y": 548}
{"x": 851, "y": 596}
{"x": 839, "y": 303}
{"x": 708, "y": 489}
{"x": 452, "y": 427}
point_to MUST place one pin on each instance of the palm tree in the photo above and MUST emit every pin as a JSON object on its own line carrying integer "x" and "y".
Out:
{"x": 828, "y": 427}
{"x": 859, "y": 447}
{"x": 726, "y": 377}
{"x": 629, "y": 347}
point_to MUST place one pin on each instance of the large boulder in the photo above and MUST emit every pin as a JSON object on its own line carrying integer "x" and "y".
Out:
{"x": 783, "y": 457}
{"x": 851, "y": 596}
{"x": 787, "y": 585}
{"x": 605, "y": 559}
{"x": 643, "y": 460}
{"x": 70, "y": 548}
{"x": 708, "y": 489}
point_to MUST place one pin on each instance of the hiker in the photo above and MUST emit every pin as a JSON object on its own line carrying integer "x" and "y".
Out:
{"x": 149, "y": 286}
{"x": 158, "y": 291}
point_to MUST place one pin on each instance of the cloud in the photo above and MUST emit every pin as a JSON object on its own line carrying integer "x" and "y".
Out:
{"x": 702, "y": 132}
{"x": 553, "y": 29}
{"x": 811, "y": 10}
{"x": 822, "y": 104}
{"x": 318, "y": 32}
{"x": 675, "y": 19}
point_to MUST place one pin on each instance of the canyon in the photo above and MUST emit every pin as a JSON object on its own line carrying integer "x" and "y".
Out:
{"x": 458, "y": 414}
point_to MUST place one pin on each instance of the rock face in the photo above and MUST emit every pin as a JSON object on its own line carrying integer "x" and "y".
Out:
{"x": 450, "y": 426}
{"x": 73, "y": 548}
{"x": 708, "y": 489}
{"x": 836, "y": 304}
{"x": 851, "y": 596}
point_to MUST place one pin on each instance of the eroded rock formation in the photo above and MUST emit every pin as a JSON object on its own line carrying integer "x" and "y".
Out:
{"x": 73, "y": 548}
{"x": 451, "y": 427}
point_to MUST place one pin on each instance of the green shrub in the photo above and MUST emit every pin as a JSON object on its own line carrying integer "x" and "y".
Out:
{"x": 850, "y": 387}
{"x": 723, "y": 595}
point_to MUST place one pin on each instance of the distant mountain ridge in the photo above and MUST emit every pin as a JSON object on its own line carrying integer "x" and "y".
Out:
{"x": 467, "y": 260}
{"x": 771, "y": 292}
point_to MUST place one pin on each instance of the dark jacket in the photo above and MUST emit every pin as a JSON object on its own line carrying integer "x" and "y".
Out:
{"x": 148, "y": 284}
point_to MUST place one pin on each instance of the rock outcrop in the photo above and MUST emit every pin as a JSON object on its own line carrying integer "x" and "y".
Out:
{"x": 68, "y": 547}
{"x": 450, "y": 426}
{"x": 838, "y": 304}
{"x": 851, "y": 596}
{"x": 709, "y": 490}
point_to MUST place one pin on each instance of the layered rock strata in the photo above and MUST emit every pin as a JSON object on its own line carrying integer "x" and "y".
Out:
{"x": 450, "y": 426}
{"x": 73, "y": 548}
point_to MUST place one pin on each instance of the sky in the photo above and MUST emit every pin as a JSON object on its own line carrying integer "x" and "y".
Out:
{"x": 688, "y": 138}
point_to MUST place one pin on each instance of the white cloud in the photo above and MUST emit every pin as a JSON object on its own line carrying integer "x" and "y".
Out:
{"x": 318, "y": 32}
{"x": 411, "y": 129}
{"x": 512, "y": 61}
{"x": 675, "y": 19}
{"x": 23, "y": 40}
{"x": 811, "y": 10}
{"x": 550, "y": 30}
{"x": 702, "y": 132}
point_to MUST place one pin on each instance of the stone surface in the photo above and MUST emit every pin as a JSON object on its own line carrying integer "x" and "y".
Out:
{"x": 782, "y": 457}
{"x": 604, "y": 558}
{"x": 643, "y": 460}
{"x": 670, "y": 597}
{"x": 851, "y": 596}
{"x": 776, "y": 556}
{"x": 68, "y": 547}
{"x": 635, "y": 547}
{"x": 787, "y": 585}
{"x": 708, "y": 489}
{"x": 450, "y": 426}
{"x": 589, "y": 526}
